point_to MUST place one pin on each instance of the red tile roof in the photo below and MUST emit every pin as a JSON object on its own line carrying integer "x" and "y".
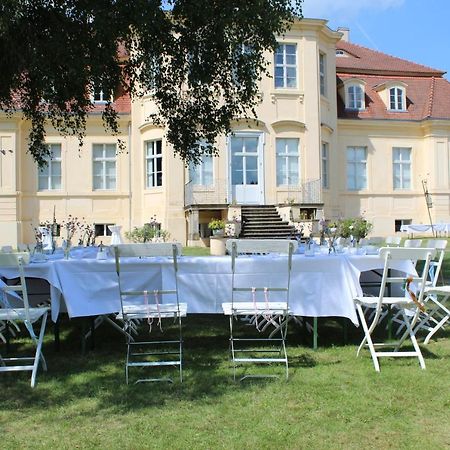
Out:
{"x": 365, "y": 60}
{"x": 427, "y": 93}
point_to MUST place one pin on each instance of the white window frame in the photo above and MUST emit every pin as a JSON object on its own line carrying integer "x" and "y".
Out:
{"x": 360, "y": 168}
{"x": 199, "y": 173}
{"x": 354, "y": 101}
{"x": 396, "y": 104}
{"x": 153, "y": 176}
{"x": 103, "y": 97}
{"x": 285, "y": 66}
{"x": 403, "y": 182}
{"x": 104, "y": 160}
{"x": 323, "y": 73}
{"x": 47, "y": 173}
{"x": 287, "y": 157}
{"x": 325, "y": 155}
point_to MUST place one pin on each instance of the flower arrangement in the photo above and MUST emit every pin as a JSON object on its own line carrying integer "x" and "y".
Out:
{"x": 70, "y": 226}
{"x": 216, "y": 224}
{"x": 151, "y": 231}
{"x": 87, "y": 235}
{"x": 355, "y": 228}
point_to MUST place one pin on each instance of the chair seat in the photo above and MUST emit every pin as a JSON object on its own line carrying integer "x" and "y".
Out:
{"x": 442, "y": 290}
{"x": 164, "y": 311}
{"x": 19, "y": 314}
{"x": 245, "y": 308}
{"x": 397, "y": 301}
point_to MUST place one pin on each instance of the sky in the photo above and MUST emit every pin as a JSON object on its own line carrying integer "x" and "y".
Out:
{"x": 416, "y": 30}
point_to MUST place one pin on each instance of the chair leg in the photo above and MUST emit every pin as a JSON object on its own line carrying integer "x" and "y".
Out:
{"x": 409, "y": 331}
{"x": 232, "y": 348}
{"x": 367, "y": 338}
{"x": 181, "y": 349}
{"x": 38, "y": 355}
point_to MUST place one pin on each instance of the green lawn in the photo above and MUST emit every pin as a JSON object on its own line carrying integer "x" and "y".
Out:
{"x": 332, "y": 398}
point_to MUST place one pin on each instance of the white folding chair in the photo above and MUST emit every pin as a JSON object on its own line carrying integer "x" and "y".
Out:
{"x": 6, "y": 249}
{"x": 413, "y": 243}
{"x": 150, "y": 300}
{"x": 436, "y": 314}
{"x": 410, "y": 301}
{"x": 264, "y": 297}
{"x": 25, "y": 314}
{"x": 393, "y": 241}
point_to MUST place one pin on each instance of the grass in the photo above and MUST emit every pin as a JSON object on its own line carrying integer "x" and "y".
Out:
{"x": 332, "y": 398}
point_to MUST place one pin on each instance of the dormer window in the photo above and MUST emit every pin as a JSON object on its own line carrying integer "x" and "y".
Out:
{"x": 397, "y": 99}
{"x": 100, "y": 96}
{"x": 355, "y": 96}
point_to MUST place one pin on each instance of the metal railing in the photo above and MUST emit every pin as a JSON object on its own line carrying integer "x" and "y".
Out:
{"x": 308, "y": 192}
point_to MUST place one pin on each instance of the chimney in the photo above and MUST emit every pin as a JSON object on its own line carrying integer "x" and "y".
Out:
{"x": 345, "y": 33}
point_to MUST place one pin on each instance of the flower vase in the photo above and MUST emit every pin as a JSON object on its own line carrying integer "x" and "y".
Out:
{"x": 116, "y": 237}
{"x": 67, "y": 245}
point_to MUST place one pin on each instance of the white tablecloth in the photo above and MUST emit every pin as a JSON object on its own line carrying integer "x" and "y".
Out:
{"x": 420, "y": 228}
{"x": 321, "y": 286}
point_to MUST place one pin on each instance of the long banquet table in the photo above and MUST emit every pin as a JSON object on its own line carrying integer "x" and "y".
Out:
{"x": 321, "y": 286}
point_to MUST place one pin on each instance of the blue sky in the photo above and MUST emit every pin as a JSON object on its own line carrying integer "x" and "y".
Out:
{"x": 415, "y": 30}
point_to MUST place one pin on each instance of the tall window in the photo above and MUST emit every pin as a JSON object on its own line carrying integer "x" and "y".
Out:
{"x": 50, "y": 175}
{"x": 104, "y": 161}
{"x": 202, "y": 174}
{"x": 287, "y": 162}
{"x": 355, "y": 97}
{"x": 356, "y": 168}
{"x": 286, "y": 66}
{"x": 325, "y": 165}
{"x": 323, "y": 74}
{"x": 153, "y": 163}
{"x": 397, "y": 99}
{"x": 401, "y": 160}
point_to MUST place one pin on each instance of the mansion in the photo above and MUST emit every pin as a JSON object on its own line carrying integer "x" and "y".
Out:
{"x": 341, "y": 131}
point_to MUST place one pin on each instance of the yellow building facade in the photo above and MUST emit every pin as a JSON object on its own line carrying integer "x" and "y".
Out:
{"x": 308, "y": 148}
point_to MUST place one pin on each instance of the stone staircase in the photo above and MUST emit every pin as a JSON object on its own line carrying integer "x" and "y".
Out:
{"x": 264, "y": 222}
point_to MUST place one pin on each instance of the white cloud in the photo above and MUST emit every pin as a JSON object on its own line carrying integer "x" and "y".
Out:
{"x": 346, "y": 9}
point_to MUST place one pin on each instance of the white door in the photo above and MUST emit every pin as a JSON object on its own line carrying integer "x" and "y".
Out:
{"x": 246, "y": 168}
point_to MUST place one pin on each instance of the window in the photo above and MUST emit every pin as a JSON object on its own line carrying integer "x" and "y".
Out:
{"x": 101, "y": 229}
{"x": 401, "y": 159}
{"x": 400, "y": 222}
{"x": 356, "y": 168}
{"x": 202, "y": 174}
{"x": 287, "y": 162}
{"x": 153, "y": 163}
{"x": 397, "y": 99}
{"x": 322, "y": 74}
{"x": 355, "y": 97}
{"x": 325, "y": 166}
{"x": 286, "y": 66}
{"x": 50, "y": 176}
{"x": 104, "y": 160}
{"x": 100, "y": 96}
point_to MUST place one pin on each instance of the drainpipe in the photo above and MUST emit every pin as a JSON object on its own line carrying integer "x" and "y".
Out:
{"x": 129, "y": 176}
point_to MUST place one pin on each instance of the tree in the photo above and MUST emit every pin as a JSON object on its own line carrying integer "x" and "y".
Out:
{"x": 200, "y": 59}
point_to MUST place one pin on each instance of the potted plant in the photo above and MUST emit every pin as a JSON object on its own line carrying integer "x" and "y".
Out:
{"x": 217, "y": 226}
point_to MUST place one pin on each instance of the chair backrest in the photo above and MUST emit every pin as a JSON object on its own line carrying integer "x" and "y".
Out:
{"x": 6, "y": 249}
{"x": 413, "y": 243}
{"x": 376, "y": 240}
{"x": 392, "y": 254}
{"x": 17, "y": 261}
{"x": 148, "y": 290}
{"x": 393, "y": 241}
{"x": 282, "y": 248}
{"x": 436, "y": 265}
